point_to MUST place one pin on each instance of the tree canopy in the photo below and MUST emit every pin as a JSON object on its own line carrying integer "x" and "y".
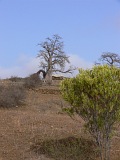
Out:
{"x": 111, "y": 59}
{"x": 95, "y": 96}
{"x": 52, "y": 57}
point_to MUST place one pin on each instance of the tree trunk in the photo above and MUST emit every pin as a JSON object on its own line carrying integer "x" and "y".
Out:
{"x": 107, "y": 148}
{"x": 48, "y": 77}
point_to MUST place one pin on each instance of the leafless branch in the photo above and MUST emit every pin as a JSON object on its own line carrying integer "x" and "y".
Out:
{"x": 52, "y": 57}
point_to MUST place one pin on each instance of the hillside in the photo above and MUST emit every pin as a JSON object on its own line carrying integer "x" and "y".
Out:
{"x": 40, "y": 119}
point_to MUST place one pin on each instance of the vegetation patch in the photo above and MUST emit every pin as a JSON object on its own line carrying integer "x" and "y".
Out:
{"x": 11, "y": 95}
{"x": 15, "y": 79}
{"x": 70, "y": 148}
{"x": 32, "y": 81}
{"x": 94, "y": 95}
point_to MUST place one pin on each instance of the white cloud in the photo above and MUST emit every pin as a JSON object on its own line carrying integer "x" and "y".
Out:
{"x": 79, "y": 62}
{"x": 25, "y": 66}
{"x": 28, "y": 65}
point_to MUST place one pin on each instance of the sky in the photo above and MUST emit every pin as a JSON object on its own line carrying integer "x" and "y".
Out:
{"x": 88, "y": 28}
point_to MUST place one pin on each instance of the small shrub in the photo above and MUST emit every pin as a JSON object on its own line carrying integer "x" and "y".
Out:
{"x": 70, "y": 148}
{"x": 11, "y": 95}
{"x": 33, "y": 81}
{"x": 15, "y": 79}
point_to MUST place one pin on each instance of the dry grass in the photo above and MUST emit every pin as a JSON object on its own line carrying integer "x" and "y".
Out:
{"x": 41, "y": 120}
{"x": 32, "y": 81}
{"x": 69, "y": 148}
{"x": 11, "y": 95}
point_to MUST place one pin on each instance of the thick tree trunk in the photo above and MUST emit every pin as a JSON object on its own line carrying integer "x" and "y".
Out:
{"x": 48, "y": 77}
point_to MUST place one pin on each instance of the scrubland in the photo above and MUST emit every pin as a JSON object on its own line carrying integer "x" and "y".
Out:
{"x": 38, "y": 129}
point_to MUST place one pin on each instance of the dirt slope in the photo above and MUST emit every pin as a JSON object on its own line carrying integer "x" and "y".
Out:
{"x": 40, "y": 118}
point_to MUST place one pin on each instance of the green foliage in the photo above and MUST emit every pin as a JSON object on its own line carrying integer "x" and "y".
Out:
{"x": 95, "y": 96}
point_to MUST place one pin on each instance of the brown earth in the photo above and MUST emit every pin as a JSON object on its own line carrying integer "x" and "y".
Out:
{"x": 40, "y": 118}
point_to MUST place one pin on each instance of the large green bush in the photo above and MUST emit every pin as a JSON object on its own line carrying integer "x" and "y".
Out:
{"x": 95, "y": 96}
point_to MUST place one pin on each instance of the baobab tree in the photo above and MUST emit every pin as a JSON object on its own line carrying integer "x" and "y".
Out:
{"x": 111, "y": 59}
{"x": 53, "y": 58}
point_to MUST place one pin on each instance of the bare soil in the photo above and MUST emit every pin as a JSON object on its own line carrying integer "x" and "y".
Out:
{"x": 40, "y": 118}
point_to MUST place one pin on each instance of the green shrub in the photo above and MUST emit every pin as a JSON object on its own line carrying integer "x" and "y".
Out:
{"x": 94, "y": 95}
{"x": 11, "y": 95}
{"x": 32, "y": 81}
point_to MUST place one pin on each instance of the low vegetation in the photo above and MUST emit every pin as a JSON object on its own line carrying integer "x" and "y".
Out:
{"x": 15, "y": 79}
{"x": 70, "y": 148}
{"x": 41, "y": 130}
{"x": 32, "y": 81}
{"x": 11, "y": 95}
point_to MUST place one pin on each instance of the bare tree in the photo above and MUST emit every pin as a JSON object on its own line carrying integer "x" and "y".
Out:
{"x": 53, "y": 58}
{"x": 112, "y": 59}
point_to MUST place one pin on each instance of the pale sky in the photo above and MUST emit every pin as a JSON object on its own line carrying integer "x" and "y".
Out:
{"x": 88, "y": 28}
